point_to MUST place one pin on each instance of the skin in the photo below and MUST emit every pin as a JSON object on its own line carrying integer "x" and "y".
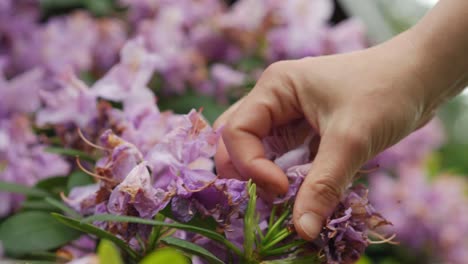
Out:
{"x": 360, "y": 103}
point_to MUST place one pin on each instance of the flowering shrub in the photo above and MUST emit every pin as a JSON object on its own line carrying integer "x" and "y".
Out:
{"x": 95, "y": 167}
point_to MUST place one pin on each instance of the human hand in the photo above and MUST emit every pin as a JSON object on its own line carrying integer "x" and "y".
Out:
{"x": 359, "y": 103}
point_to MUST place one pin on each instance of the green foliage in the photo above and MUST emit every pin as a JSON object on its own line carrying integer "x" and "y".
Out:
{"x": 191, "y": 248}
{"x": 78, "y": 178}
{"x": 130, "y": 219}
{"x": 108, "y": 253}
{"x": 165, "y": 255}
{"x": 71, "y": 153}
{"x": 28, "y": 232}
{"x": 21, "y": 189}
{"x": 53, "y": 185}
{"x": 184, "y": 103}
{"x": 90, "y": 229}
{"x": 250, "y": 223}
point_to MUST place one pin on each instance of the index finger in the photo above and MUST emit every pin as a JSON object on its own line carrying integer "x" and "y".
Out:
{"x": 263, "y": 109}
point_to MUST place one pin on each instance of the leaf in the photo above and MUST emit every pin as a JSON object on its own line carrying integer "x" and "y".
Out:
{"x": 22, "y": 189}
{"x": 250, "y": 222}
{"x": 53, "y": 185}
{"x": 311, "y": 259}
{"x": 38, "y": 205}
{"x": 63, "y": 207}
{"x": 78, "y": 178}
{"x": 165, "y": 255}
{"x": 90, "y": 229}
{"x": 108, "y": 253}
{"x": 206, "y": 222}
{"x": 130, "y": 219}
{"x": 191, "y": 248}
{"x": 183, "y": 104}
{"x": 34, "y": 231}
{"x": 71, "y": 153}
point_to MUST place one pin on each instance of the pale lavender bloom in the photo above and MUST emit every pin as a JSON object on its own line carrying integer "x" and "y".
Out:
{"x": 287, "y": 147}
{"x": 345, "y": 235}
{"x": 127, "y": 81}
{"x": 121, "y": 160}
{"x": 349, "y": 35}
{"x": 70, "y": 103}
{"x": 427, "y": 215}
{"x": 137, "y": 190}
{"x": 68, "y": 42}
{"x": 181, "y": 63}
{"x": 225, "y": 77}
{"x": 111, "y": 38}
{"x": 21, "y": 94}
{"x": 83, "y": 198}
{"x": 79, "y": 248}
{"x": 23, "y": 159}
{"x": 296, "y": 175}
{"x": 18, "y": 27}
{"x": 302, "y": 31}
{"x": 246, "y": 15}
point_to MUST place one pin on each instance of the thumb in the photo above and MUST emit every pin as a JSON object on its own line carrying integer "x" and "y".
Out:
{"x": 339, "y": 157}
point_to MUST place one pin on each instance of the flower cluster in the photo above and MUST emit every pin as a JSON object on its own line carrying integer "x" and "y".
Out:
{"x": 427, "y": 215}
{"x": 152, "y": 164}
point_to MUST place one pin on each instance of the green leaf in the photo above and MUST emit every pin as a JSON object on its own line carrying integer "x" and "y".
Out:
{"x": 364, "y": 260}
{"x": 183, "y": 104}
{"x": 206, "y": 222}
{"x": 108, "y": 253}
{"x": 38, "y": 205}
{"x": 130, "y": 219}
{"x": 90, "y": 229}
{"x": 34, "y": 231}
{"x": 250, "y": 222}
{"x": 53, "y": 185}
{"x": 78, "y": 178}
{"x": 71, "y": 153}
{"x": 22, "y": 189}
{"x": 312, "y": 259}
{"x": 63, "y": 207}
{"x": 165, "y": 255}
{"x": 191, "y": 248}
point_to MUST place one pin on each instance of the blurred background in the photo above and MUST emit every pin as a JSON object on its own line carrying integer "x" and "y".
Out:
{"x": 211, "y": 52}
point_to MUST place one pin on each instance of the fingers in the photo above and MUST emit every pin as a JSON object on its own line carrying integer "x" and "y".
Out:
{"x": 339, "y": 156}
{"x": 271, "y": 103}
{"x": 224, "y": 166}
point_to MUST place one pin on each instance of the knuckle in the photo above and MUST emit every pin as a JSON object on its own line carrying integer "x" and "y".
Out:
{"x": 274, "y": 69}
{"x": 326, "y": 190}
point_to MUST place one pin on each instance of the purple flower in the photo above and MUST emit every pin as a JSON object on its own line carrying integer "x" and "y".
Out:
{"x": 23, "y": 88}
{"x": 347, "y": 36}
{"x": 83, "y": 198}
{"x": 111, "y": 38}
{"x": 78, "y": 248}
{"x": 70, "y": 102}
{"x": 224, "y": 78}
{"x": 130, "y": 75}
{"x": 345, "y": 235}
{"x": 427, "y": 215}
{"x": 23, "y": 159}
{"x": 76, "y": 34}
{"x": 137, "y": 190}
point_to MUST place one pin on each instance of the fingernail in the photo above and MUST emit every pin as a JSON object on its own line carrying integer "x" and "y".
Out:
{"x": 311, "y": 224}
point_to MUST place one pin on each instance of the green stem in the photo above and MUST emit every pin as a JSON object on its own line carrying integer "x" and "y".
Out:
{"x": 155, "y": 233}
{"x": 283, "y": 250}
{"x": 271, "y": 232}
{"x": 282, "y": 235}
